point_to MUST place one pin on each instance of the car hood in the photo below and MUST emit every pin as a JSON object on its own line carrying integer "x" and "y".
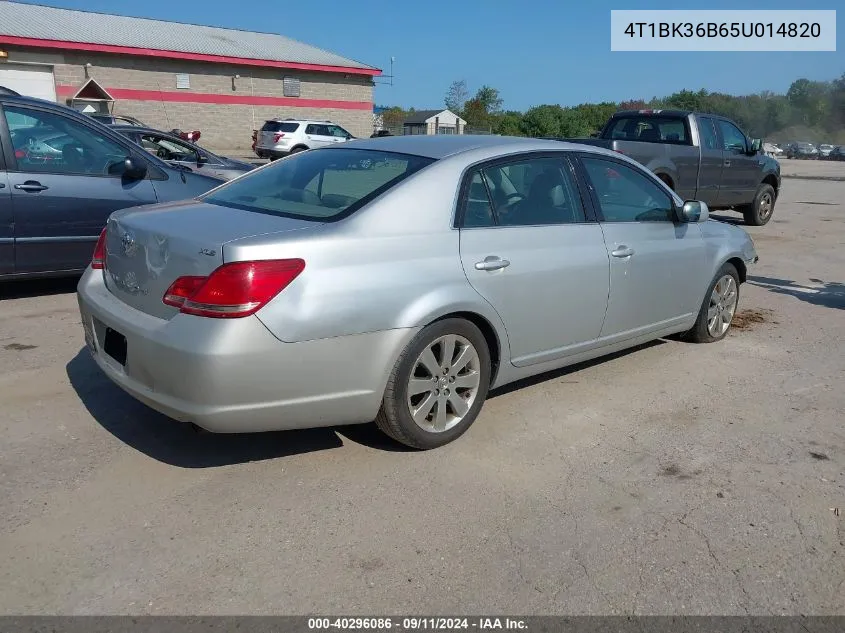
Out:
{"x": 231, "y": 163}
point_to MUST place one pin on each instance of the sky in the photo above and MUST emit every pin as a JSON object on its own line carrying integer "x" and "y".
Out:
{"x": 533, "y": 51}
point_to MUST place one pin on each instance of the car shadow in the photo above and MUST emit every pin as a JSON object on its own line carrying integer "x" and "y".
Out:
{"x": 25, "y": 288}
{"x": 565, "y": 371}
{"x": 184, "y": 445}
{"x": 736, "y": 220}
{"x": 831, "y": 294}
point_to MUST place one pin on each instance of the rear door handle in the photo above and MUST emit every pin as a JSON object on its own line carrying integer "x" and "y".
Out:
{"x": 492, "y": 263}
{"x": 622, "y": 251}
{"x": 32, "y": 186}
{"x": 727, "y": 163}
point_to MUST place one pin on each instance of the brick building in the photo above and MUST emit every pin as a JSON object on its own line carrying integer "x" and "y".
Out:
{"x": 169, "y": 75}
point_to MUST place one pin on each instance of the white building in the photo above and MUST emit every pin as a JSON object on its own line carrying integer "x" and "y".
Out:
{"x": 433, "y": 122}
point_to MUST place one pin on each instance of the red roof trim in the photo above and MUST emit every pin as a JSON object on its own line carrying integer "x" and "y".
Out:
{"x": 227, "y": 99}
{"x": 197, "y": 57}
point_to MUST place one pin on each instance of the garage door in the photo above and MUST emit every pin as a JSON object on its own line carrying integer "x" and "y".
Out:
{"x": 30, "y": 81}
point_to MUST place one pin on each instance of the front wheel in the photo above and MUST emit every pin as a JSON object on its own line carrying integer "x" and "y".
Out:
{"x": 438, "y": 385}
{"x": 761, "y": 210}
{"x": 718, "y": 309}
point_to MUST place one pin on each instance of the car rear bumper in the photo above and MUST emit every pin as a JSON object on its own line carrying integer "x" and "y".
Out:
{"x": 233, "y": 375}
{"x": 271, "y": 152}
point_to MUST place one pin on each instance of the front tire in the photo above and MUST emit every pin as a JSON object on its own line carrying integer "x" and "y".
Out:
{"x": 718, "y": 308}
{"x": 763, "y": 207}
{"x": 438, "y": 385}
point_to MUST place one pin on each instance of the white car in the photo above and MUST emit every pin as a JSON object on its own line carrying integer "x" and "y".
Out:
{"x": 770, "y": 149}
{"x": 281, "y": 137}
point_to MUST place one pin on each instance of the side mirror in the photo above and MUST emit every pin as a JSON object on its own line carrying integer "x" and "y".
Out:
{"x": 694, "y": 211}
{"x": 756, "y": 145}
{"x": 134, "y": 168}
{"x": 202, "y": 159}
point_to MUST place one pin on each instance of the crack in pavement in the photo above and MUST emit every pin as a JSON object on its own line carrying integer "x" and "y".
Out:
{"x": 716, "y": 561}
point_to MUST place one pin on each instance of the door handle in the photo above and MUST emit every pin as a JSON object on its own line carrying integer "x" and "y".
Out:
{"x": 2, "y": 185}
{"x": 622, "y": 251}
{"x": 31, "y": 186}
{"x": 727, "y": 163}
{"x": 492, "y": 263}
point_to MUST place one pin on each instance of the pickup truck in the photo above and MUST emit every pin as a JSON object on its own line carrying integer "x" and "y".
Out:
{"x": 700, "y": 156}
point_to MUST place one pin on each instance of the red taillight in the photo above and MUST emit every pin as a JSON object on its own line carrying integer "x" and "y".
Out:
{"x": 98, "y": 260}
{"x": 278, "y": 136}
{"x": 181, "y": 289}
{"x": 233, "y": 290}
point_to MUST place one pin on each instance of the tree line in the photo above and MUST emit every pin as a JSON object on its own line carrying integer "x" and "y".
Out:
{"x": 809, "y": 111}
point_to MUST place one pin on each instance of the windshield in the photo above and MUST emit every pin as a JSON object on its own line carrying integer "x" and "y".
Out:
{"x": 321, "y": 185}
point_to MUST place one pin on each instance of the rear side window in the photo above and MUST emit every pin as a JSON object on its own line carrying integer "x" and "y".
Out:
{"x": 650, "y": 128}
{"x": 320, "y": 185}
{"x": 280, "y": 126}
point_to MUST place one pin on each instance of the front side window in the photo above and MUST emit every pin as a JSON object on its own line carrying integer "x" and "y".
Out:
{"x": 319, "y": 185}
{"x": 733, "y": 140}
{"x": 625, "y": 195}
{"x": 46, "y": 142}
{"x": 336, "y": 130}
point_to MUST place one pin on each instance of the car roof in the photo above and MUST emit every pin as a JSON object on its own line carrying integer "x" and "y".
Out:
{"x": 439, "y": 146}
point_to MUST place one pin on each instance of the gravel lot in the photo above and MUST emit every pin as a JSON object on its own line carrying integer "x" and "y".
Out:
{"x": 674, "y": 478}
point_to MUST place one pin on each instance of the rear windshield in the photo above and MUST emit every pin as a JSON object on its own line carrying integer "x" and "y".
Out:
{"x": 321, "y": 185}
{"x": 654, "y": 129}
{"x": 279, "y": 126}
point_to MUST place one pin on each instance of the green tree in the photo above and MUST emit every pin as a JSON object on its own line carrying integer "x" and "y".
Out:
{"x": 490, "y": 99}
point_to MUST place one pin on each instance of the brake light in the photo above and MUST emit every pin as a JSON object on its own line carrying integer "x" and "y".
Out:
{"x": 98, "y": 260}
{"x": 181, "y": 289}
{"x": 278, "y": 136}
{"x": 233, "y": 290}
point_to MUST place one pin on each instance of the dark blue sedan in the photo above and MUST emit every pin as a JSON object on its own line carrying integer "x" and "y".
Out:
{"x": 61, "y": 175}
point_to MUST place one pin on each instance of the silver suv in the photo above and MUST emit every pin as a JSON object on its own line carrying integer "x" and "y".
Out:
{"x": 280, "y": 137}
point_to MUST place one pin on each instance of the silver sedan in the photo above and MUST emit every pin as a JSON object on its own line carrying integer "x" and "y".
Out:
{"x": 398, "y": 280}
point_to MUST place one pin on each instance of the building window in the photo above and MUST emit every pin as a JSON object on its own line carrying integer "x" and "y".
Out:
{"x": 183, "y": 81}
{"x": 290, "y": 86}
{"x": 446, "y": 129}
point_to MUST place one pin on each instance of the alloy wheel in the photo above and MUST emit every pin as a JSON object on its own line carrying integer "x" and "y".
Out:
{"x": 444, "y": 383}
{"x": 722, "y": 307}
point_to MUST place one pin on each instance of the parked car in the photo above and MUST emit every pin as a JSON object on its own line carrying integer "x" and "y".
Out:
{"x": 803, "y": 150}
{"x": 281, "y": 137}
{"x": 772, "y": 149}
{"x": 174, "y": 150}
{"x": 380, "y": 133}
{"x": 345, "y": 284}
{"x": 8, "y": 91}
{"x": 701, "y": 156}
{"x": 825, "y": 149}
{"x": 61, "y": 174}
{"x": 116, "y": 119}
{"x": 838, "y": 153}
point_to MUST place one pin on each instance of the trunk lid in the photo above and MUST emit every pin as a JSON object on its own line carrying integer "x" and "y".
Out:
{"x": 147, "y": 248}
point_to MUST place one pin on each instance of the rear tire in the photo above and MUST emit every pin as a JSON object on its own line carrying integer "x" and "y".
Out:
{"x": 718, "y": 308}
{"x": 763, "y": 207}
{"x": 296, "y": 150}
{"x": 438, "y": 385}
